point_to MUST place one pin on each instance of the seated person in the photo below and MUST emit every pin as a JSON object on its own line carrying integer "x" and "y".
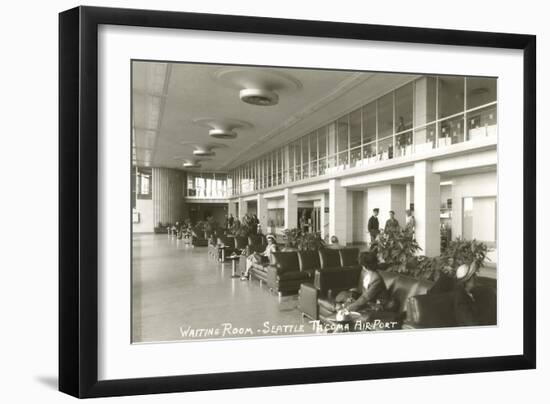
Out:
{"x": 256, "y": 258}
{"x": 374, "y": 289}
{"x": 473, "y": 305}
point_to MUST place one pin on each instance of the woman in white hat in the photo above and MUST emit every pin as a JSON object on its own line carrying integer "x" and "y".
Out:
{"x": 256, "y": 258}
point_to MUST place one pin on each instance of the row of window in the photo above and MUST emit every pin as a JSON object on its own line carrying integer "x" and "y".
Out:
{"x": 428, "y": 113}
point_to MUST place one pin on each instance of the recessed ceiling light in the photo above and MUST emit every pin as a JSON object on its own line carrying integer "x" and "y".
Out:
{"x": 222, "y": 128}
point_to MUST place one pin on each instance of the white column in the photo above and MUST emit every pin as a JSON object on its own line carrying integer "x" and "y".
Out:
{"x": 291, "y": 209}
{"x": 243, "y": 208}
{"x": 232, "y": 208}
{"x": 426, "y": 208}
{"x": 409, "y": 195}
{"x": 322, "y": 216}
{"x": 367, "y": 213}
{"x": 339, "y": 212}
{"x": 262, "y": 212}
{"x": 386, "y": 198}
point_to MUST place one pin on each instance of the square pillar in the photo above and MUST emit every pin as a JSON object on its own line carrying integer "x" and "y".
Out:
{"x": 339, "y": 212}
{"x": 426, "y": 208}
{"x": 409, "y": 195}
{"x": 386, "y": 198}
{"x": 291, "y": 209}
{"x": 262, "y": 212}
{"x": 323, "y": 220}
{"x": 232, "y": 208}
{"x": 243, "y": 208}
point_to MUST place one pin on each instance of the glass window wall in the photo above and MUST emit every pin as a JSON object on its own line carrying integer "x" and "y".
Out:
{"x": 417, "y": 117}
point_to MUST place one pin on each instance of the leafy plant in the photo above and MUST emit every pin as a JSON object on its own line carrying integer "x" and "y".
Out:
{"x": 302, "y": 241}
{"x": 396, "y": 248}
{"x": 186, "y": 229}
{"x": 461, "y": 251}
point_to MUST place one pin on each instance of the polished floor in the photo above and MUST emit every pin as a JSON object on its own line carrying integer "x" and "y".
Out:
{"x": 180, "y": 294}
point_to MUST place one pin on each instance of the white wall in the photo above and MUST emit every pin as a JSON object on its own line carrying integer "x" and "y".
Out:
{"x": 475, "y": 185}
{"x": 29, "y": 349}
{"x": 146, "y": 222}
{"x": 386, "y": 198}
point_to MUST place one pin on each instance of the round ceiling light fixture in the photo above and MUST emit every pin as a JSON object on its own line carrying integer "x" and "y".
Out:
{"x": 259, "y": 96}
{"x": 191, "y": 164}
{"x": 204, "y": 152}
{"x": 222, "y": 128}
{"x": 258, "y": 86}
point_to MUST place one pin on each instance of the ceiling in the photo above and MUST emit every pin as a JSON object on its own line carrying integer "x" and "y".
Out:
{"x": 168, "y": 97}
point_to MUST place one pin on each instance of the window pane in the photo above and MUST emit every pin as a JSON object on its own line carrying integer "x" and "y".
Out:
{"x": 355, "y": 157}
{"x": 451, "y": 96}
{"x": 322, "y": 167}
{"x": 313, "y": 169}
{"x": 369, "y": 123}
{"x": 305, "y": 150}
{"x": 322, "y": 141}
{"x": 451, "y": 131}
{"x": 403, "y": 144}
{"x": 369, "y": 150}
{"x": 355, "y": 129}
{"x": 481, "y": 91}
{"x": 343, "y": 160}
{"x": 425, "y": 97}
{"x": 331, "y": 136}
{"x": 385, "y": 116}
{"x": 313, "y": 146}
{"x": 404, "y": 107}
{"x": 424, "y": 138}
{"x": 482, "y": 123}
{"x": 385, "y": 148}
{"x": 343, "y": 133}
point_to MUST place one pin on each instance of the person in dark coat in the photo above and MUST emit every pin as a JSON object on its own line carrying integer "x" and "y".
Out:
{"x": 374, "y": 225}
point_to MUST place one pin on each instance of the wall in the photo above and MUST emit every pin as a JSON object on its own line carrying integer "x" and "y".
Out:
{"x": 146, "y": 222}
{"x": 386, "y": 198}
{"x": 477, "y": 185}
{"x": 470, "y": 186}
{"x": 167, "y": 195}
{"x": 359, "y": 229}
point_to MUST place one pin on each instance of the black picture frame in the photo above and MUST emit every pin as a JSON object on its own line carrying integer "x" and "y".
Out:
{"x": 78, "y": 200}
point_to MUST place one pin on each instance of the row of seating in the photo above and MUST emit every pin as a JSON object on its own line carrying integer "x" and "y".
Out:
{"x": 236, "y": 244}
{"x": 318, "y": 276}
{"x": 289, "y": 269}
{"x": 415, "y": 303}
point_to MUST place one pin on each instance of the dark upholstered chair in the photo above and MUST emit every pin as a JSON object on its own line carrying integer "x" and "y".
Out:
{"x": 329, "y": 258}
{"x": 309, "y": 261}
{"x": 284, "y": 274}
{"x": 317, "y": 300}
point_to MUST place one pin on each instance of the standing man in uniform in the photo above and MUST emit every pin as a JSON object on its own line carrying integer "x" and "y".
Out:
{"x": 392, "y": 225}
{"x": 374, "y": 225}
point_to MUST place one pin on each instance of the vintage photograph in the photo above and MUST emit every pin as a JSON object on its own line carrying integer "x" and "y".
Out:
{"x": 277, "y": 202}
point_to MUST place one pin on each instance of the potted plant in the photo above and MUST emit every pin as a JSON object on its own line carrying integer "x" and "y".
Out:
{"x": 396, "y": 249}
{"x": 298, "y": 240}
{"x": 461, "y": 251}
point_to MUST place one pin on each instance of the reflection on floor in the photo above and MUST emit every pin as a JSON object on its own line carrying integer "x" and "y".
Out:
{"x": 177, "y": 289}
